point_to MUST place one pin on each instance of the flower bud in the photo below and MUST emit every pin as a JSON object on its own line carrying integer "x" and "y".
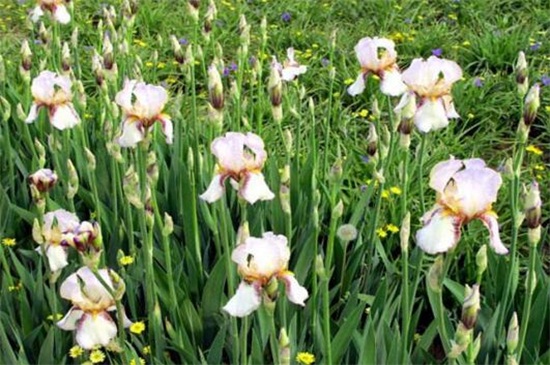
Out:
{"x": 320, "y": 268}
{"x": 168, "y": 226}
{"x": 2, "y": 70}
{"x": 372, "y": 140}
{"x": 471, "y": 306}
{"x": 284, "y": 197}
{"x": 131, "y": 188}
{"x": 73, "y": 180}
{"x": 215, "y": 87}
{"x": 41, "y": 152}
{"x": 522, "y": 74}
{"x": 288, "y": 141}
{"x": 108, "y": 57}
{"x": 338, "y": 210}
{"x": 74, "y": 38}
{"x": 532, "y": 103}
{"x": 405, "y": 232}
{"x": 91, "y": 159}
{"x": 243, "y": 233}
{"x": 193, "y": 9}
{"x": 176, "y": 48}
{"x": 43, "y": 180}
{"x": 284, "y": 348}
{"x": 66, "y": 58}
{"x": 152, "y": 168}
{"x": 435, "y": 275}
{"x": 512, "y": 337}
{"x": 481, "y": 262}
{"x": 26, "y": 60}
{"x": 43, "y": 34}
{"x": 375, "y": 109}
{"x": 532, "y": 205}
{"x": 37, "y": 232}
{"x": 6, "y": 107}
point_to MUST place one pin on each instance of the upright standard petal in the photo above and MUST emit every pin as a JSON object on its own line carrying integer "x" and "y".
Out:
{"x": 489, "y": 219}
{"x": 262, "y": 257}
{"x": 392, "y": 84}
{"x": 431, "y": 115}
{"x": 215, "y": 189}
{"x": 245, "y": 301}
{"x": 43, "y": 86}
{"x": 61, "y": 14}
{"x": 296, "y": 293}
{"x": 64, "y": 116}
{"x": 255, "y": 188}
{"x": 440, "y": 233}
{"x": 95, "y": 329}
{"x": 150, "y": 99}
{"x": 132, "y": 133}
{"x": 124, "y": 97}
{"x": 358, "y": 86}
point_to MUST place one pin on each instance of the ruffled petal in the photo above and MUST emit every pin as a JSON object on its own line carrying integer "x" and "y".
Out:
{"x": 69, "y": 322}
{"x": 474, "y": 190}
{"x": 443, "y": 172}
{"x": 36, "y": 13}
{"x": 296, "y": 293}
{"x": 167, "y": 129}
{"x": 61, "y": 14}
{"x": 358, "y": 86}
{"x": 245, "y": 301}
{"x": 33, "y": 113}
{"x": 440, "y": 233}
{"x": 229, "y": 150}
{"x": 392, "y": 84}
{"x": 431, "y": 115}
{"x": 42, "y": 87}
{"x": 57, "y": 257}
{"x": 93, "y": 330}
{"x": 95, "y": 294}
{"x": 449, "y": 107}
{"x": 150, "y": 99}
{"x": 132, "y": 133}
{"x": 255, "y": 188}
{"x": 262, "y": 257}
{"x": 124, "y": 97}
{"x": 215, "y": 190}
{"x": 490, "y": 221}
{"x": 64, "y": 116}
{"x": 291, "y": 72}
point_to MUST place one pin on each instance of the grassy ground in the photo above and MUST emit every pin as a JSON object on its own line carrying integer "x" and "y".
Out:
{"x": 357, "y": 314}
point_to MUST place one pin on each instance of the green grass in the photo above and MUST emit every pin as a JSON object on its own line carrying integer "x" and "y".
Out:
{"x": 357, "y": 305}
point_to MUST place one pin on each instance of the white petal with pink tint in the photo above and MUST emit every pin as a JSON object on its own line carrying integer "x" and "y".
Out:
{"x": 215, "y": 189}
{"x": 124, "y": 97}
{"x": 33, "y": 113}
{"x": 70, "y": 321}
{"x": 392, "y": 84}
{"x": 132, "y": 133}
{"x": 443, "y": 172}
{"x": 255, "y": 188}
{"x": 167, "y": 129}
{"x": 57, "y": 256}
{"x": 42, "y": 87}
{"x": 490, "y": 221}
{"x": 61, "y": 14}
{"x": 150, "y": 99}
{"x": 358, "y": 86}
{"x": 245, "y": 301}
{"x": 36, "y": 13}
{"x": 291, "y": 72}
{"x": 262, "y": 257}
{"x": 95, "y": 329}
{"x": 294, "y": 291}
{"x": 64, "y": 117}
{"x": 440, "y": 233}
{"x": 431, "y": 115}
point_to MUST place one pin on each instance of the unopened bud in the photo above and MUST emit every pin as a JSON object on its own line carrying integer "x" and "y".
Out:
{"x": 243, "y": 233}
{"x": 512, "y": 337}
{"x": 168, "y": 226}
{"x": 284, "y": 348}
{"x": 532, "y": 103}
{"x": 131, "y": 188}
{"x": 43, "y": 34}
{"x": 43, "y": 180}
{"x": 176, "y": 48}
{"x": 338, "y": 210}
{"x": 74, "y": 38}
{"x": 41, "y": 152}
{"x": 73, "y": 180}
{"x": 66, "y": 58}
{"x": 407, "y": 110}
{"x": 91, "y": 159}
{"x": 37, "y": 232}
{"x": 471, "y": 306}
{"x": 435, "y": 275}
{"x": 532, "y": 205}
{"x": 215, "y": 87}
{"x": 405, "y": 232}
{"x": 522, "y": 74}
{"x": 372, "y": 140}
{"x": 481, "y": 262}
{"x": 6, "y": 108}
{"x": 26, "y": 58}
{"x": 375, "y": 109}
{"x": 287, "y": 139}
{"x": 320, "y": 268}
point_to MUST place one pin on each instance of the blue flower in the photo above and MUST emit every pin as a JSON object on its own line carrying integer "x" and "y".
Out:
{"x": 437, "y": 52}
{"x": 285, "y": 17}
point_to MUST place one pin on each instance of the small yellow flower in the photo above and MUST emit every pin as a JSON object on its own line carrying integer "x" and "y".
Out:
{"x": 466, "y": 43}
{"x": 363, "y": 113}
{"x": 141, "y": 361}
{"x": 76, "y": 351}
{"x": 539, "y": 167}
{"x": 146, "y": 350}
{"x": 392, "y": 228}
{"x": 533, "y": 149}
{"x": 547, "y": 108}
{"x": 381, "y": 233}
{"x": 149, "y": 64}
{"x": 417, "y": 337}
{"x": 137, "y": 327}
{"x": 305, "y": 358}
{"x": 15, "y": 287}
{"x": 161, "y": 65}
{"x": 385, "y": 194}
{"x": 97, "y": 356}
{"x": 453, "y": 16}
{"x": 126, "y": 260}
{"x": 8, "y": 242}
{"x": 349, "y": 81}
{"x": 470, "y": 116}
{"x": 396, "y": 190}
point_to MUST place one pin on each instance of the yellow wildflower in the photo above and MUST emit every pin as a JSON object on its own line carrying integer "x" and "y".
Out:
{"x": 533, "y": 149}
{"x": 396, "y": 190}
{"x": 54, "y": 317}
{"x": 392, "y": 228}
{"x": 141, "y": 361}
{"x": 76, "y": 351}
{"x": 149, "y": 64}
{"x": 146, "y": 350}
{"x": 363, "y": 113}
{"x": 137, "y": 327}
{"x": 8, "y": 242}
{"x": 385, "y": 194}
{"x": 305, "y": 358}
{"x": 15, "y": 287}
{"x": 349, "y": 81}
{"x": 126, "y": 260}
{"x": 97, "y": 356}
{"x": 381, "y": 233}
{"x": 466, "y": 43}
{"x": 539, "y": 167}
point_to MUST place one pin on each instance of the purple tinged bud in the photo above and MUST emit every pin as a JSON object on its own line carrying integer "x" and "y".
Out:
{"x": 437, "y": 52}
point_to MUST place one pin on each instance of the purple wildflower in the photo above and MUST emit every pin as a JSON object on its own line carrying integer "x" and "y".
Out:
{"x": 233, "y": 66}
{"x": 252, "y": 61}
{"x": 226, "y": 71}
{"x": 535, "y": 46}
{"x": 183, "y": 41}
{"x": 365, "y": 159}
{"x": 545, "y": 79}
{"x": 437, "y": 52}
{"x": 325, "y": 62}
{"x": 478, "y": 82}
{"x": 285, "y": 17}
